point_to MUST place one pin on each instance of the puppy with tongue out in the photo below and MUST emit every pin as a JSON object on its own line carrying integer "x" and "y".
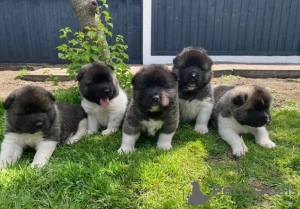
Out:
{"x": 193, "y": 67}
{"x": 102, "y": 98}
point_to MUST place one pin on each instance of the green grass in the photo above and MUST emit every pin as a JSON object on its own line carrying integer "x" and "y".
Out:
{"x": 227, "y": 79}
{"x": 90, "y": 174}
{"x": 21, "y": 73}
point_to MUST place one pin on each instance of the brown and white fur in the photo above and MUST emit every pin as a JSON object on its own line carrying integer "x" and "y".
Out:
{"x": 241, "y": 110}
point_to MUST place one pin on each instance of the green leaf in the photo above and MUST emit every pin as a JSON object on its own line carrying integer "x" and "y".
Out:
{"x": 109, "y": 33}
{"x": 87, "y": 28}
{"x": 68, "y": 30}
{"x": 73, "y": 42}
{"x": 95, "y": 57}
{"x": 60, "y": 55}
{"x": 126, "y": 56}
{"x": 106, "y": 14}
{"x": 95, "y": 48}
{"x": 62, "y": 47}
{"x": 62, "y": 36}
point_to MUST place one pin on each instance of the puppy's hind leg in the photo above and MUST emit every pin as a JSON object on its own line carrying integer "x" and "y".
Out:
{"x": 10, "y": 153}
{"x": 44, "y": 151}
{"x": 81, "y": 131}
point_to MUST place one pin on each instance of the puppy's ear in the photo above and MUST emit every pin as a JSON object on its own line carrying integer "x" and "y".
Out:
{"x": 239, "y": 100}
{"x": 8, "y": 102}
{"x": 81, "y": 73}
{"x": 111, "y": 67}
{"x": 175, "y": 60}
{"x": 175, "y": 76}
{"x": 51, "y": 97}
{"x": 133, "y": 80}
{"x": 207, "y": 65}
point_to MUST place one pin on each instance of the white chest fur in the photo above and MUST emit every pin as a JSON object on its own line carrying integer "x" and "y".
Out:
{"x": 24, "y": 139}
{"x": 232, "y": 124}
{"x": 151, "y": 126}
{"x": 189, "y": 110}
{"x": 102, "y": 115}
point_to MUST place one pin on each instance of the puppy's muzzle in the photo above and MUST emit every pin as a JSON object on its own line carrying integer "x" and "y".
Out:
{"x": 267, "y": 120}
{"x": 262, "y": 121}
{"x": 194, "y": 75}
{"x": 155, "y": 98}
{"x": 39, "y": 125}
{"x": 105, "y": 91}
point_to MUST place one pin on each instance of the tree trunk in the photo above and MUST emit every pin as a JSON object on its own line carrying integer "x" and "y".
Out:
{"x": 85, "y": 11}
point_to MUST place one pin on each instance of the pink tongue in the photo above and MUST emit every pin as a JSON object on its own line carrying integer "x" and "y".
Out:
{"x": 192, "y": 84}
{"x": 104, "y": 102}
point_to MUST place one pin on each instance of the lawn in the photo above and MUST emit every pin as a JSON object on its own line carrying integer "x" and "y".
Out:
{"x": 91, "y": 174}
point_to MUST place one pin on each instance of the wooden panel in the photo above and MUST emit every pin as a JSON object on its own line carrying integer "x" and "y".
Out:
{"x": 30, "y": 29}
{"x": 227, "y": 27}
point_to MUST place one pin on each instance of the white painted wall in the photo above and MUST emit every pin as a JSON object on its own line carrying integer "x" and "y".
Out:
{"x": 150, "y": 59}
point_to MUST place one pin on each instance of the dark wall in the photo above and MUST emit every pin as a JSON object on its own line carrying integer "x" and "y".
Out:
{"x": 227, "y": 27}
{"x": 29, "y": 29}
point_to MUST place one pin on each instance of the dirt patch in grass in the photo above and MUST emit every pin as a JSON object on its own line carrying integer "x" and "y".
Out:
{"x": 281, "y": 89}
{"x": 8, "y": 83}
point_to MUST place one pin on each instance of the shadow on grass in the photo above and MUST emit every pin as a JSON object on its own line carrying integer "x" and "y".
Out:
{"x": 92, "y": 174}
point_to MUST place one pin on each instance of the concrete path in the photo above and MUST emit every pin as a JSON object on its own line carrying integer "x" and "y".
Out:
{"x": 243, "y": 70}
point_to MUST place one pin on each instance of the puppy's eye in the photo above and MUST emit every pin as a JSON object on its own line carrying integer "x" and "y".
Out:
{"x": 145, "y": 86}
{"x": 165, "y": 86}
{"x": 46, "y": 109}
{"x": 23, "y": 113}
{"x": 90, "y": 83}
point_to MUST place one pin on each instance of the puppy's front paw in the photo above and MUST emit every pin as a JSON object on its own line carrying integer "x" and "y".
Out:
{"x": 37, "y": 164}
{"x": 267, "y": 143}
{"x": 125, "y": 150}
{"x": 239, "y": 151}
{"x": 91, "y": 132}
{"x": 164, "y": 146}
{"x": 107, "y": 132}
{"x": 202, "y": 129}
{"x": 72, "y": 141}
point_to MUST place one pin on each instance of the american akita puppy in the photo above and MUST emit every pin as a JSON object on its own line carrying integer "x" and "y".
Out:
{"x": 34, "y": 119}
{"x": 193, "y": 66}
{"x": 240, "y": 110}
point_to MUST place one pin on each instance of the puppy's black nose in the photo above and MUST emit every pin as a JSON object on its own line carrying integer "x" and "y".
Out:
{"x": 194, "y": 75}
{"x": 265, "y": 120}
{"x": 268, "y": 120}
{"x": 106, "y": 91}
{"x": 155, "y": 98}
{"x": 39, "y": 124}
